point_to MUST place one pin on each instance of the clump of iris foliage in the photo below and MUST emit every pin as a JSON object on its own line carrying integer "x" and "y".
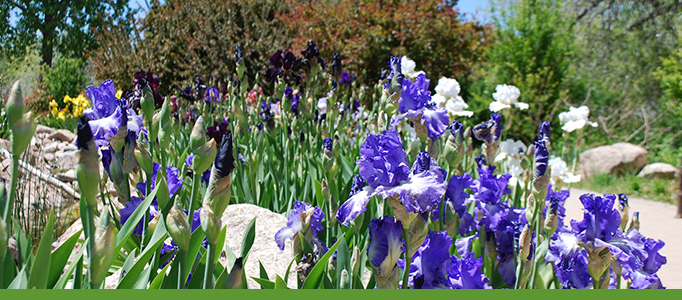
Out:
{"x": 383, "y": 178}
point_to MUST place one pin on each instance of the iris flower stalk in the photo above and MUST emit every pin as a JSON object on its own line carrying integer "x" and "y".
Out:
{"x": 22, "y": 127}
{"x": 87, "y": 173}
{"x": 215, "y": 202}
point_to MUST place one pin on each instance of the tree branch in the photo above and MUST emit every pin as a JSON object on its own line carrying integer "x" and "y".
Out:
{"x": 654, "y": 14}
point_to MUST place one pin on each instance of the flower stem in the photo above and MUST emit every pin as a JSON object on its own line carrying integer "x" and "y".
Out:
{"x": 181, "y": 258}
{"x": 195, "y": 188}
{"x": 408, "y": 260}
{"x": 12, "y": 190}
{"x": 208, "y": 275}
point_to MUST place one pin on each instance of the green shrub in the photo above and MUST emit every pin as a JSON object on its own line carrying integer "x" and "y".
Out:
{"x": 66, "y": 78}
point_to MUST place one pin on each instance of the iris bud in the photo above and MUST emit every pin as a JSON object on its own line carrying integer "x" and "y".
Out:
{"x": 234, "y": 280}
{"x": 634, "y": 224}
{"x": 105, "y": 247}
{"x": 15, "y": 104}
{"x": 210, "y": 223}
{"x": 117, "y": 177}
{"x": 22, "y": 132}
{"x": 204, "y": 156}
{"x": 129, "y": 159}
{"x": 147, "y": 102}
{"x": 178, "y": 227}
{"x": 144, "y": 158}
{"x": 198, "y": 135}
{"x": 345, "y": 279}
{"x": 87, "y": 170}
{"x": 162, "y": 195}
{"x": 524, "y": 242}
{"x": 164, "y": 125}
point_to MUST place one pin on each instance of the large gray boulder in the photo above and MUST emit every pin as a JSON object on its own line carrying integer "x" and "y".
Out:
{"x": 236, "y": 217}
{"x": 658, "y": 170}
{"x": 616, "y": 159}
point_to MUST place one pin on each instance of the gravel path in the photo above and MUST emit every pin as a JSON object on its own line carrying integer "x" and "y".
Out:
{"x": 657, "y": 221}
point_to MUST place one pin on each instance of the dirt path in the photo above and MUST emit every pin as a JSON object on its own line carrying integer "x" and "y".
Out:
{"x": 658, "y": 222}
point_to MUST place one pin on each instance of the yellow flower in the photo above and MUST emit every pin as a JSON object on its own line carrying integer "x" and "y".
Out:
{"x": 119, "y": 93}
{"x": 61, "y": 115}
{"x": 54, "y": 107}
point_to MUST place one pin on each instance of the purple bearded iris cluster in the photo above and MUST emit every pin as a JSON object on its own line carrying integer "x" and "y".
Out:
{"x": 212, "y": 95}
{"x": 415, "y": 103}
{"x": 502, "y": 223}
{"x": 304, "y": 219}
{"x": 637, "y": 256}
{"x": 174, "y": 185}
{"x": 295, "y": 99}
{"x": 434, "y": 268}
{"x": 384, "y": 172}
{"x": 105, "y": 113}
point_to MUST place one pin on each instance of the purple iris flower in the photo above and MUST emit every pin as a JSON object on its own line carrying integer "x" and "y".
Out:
{"x": 396, "y": 71}
{"x": 456, "y": 195}
{"x": 622, "y": 201}
{"x": 489, "y": 131}
{"x": 383, "y": 164}
{"x": 466, "y": 273}
{"x": 646, "y": 277}
{"x": 541, "y": 158}
{"x": 304, "y": 219}
{"x": 172, "y": 178}
{"x": 600, "y": 220}
{"x": 414, "y": 96}
{"x": 554, "y": 201}
{"x": 311, "y": 51}
{"x": 212, "y": 95}
{"x": 382, "y": 160}
{"x": 385, "y": 245}
{"x": 489, "y": 188}
{"x": 346, "y": 79}
{"x": 217, "y": 131}
{"x": 435, "y": 118}
{"x": 431, "y": 262}
{"x": 570, "y": 261}
{"x": 105, "y": 113}
{"x": 131, "y": 206}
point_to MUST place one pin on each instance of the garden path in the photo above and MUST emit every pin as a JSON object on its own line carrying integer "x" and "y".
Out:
{"x": 657, "y": 221}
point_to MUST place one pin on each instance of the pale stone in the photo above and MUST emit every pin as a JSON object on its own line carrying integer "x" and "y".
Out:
{"x": 615, "y": 159}
{"x": 659, "y": 170}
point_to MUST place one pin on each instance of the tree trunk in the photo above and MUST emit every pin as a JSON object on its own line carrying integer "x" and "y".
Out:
{"x": 47, "y": 48}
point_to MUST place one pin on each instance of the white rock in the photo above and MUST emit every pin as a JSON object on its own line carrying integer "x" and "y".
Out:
{"x": 659, "y": 170}
{"x": 236, "y": 217}
{"x": 615, "y": 159}
{"x": 68, "y": 176}
{"x": 51, "y": 147}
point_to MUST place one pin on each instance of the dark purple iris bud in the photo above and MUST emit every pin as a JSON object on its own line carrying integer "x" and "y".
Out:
{"x": 238, "y": 53}
{"x": 622, "y": 201}
{"x": 194, "y": 114}
{"x": 480, "y": 161}
{"x": 224, "y": 161}
{"x": 158, "y": 99}
{"x": 277, "y": 59}
{"x": 457, "y": 131}
{"x": 323, "y": 63}
{"x": 199, "y": 88}
{"x": 334, "y": 85}
{"x": 84, "y": 133}
{"x": 311, "y": 51}
{"x": 289, "y": 59}
{"x": 289, "y": 131}
{"x": 328, "y": 143}
{"x": 302, "y": 136}
{"x": 289, "y": 93}
{"x": 384, "y": 74}
{"x": 355, "y": 105}
{"x": 554, "y": 202}
{"x": 358, "y": 184}
{"x": 423, "y": 162}
{"x": 544, "y": 131}
{"x": 212, "y": 95}
{"x": 541, "y": 158}
{"x": 336, "y": 64}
